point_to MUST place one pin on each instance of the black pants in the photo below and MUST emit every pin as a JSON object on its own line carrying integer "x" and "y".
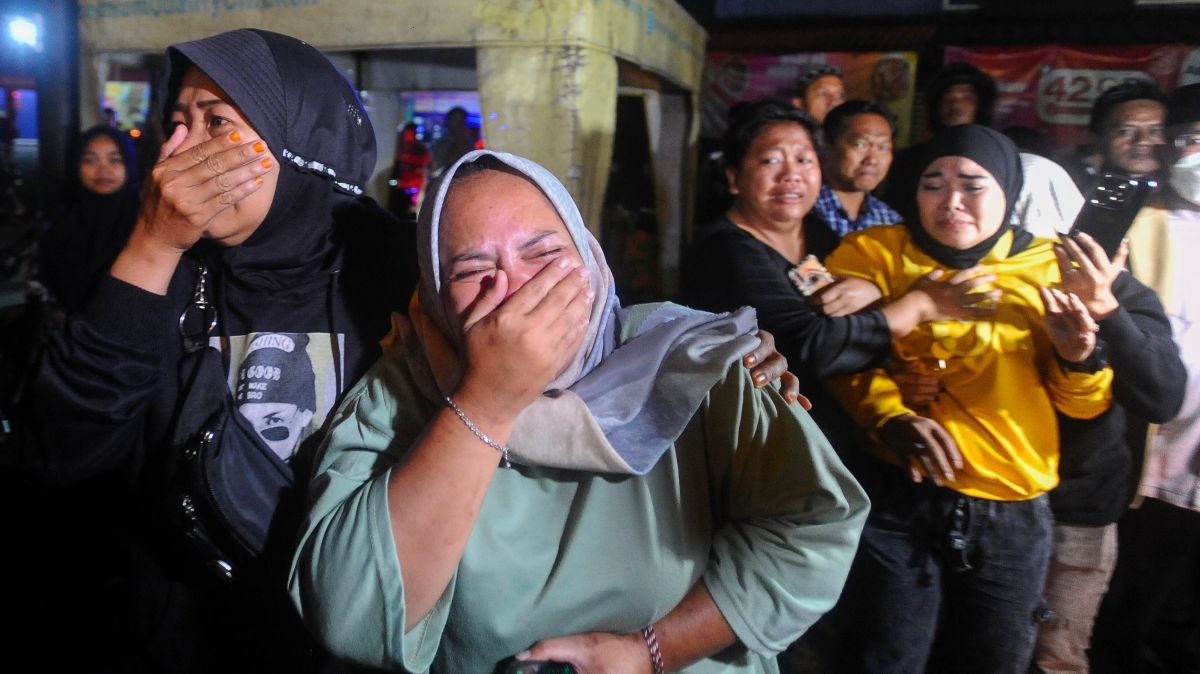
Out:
{"x": 1150, "y": 618}
{"x": 944, "y": 582}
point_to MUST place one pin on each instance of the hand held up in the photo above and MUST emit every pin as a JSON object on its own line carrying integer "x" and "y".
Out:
{"x": 1089, "y": 274}
{"x": 516, "y": 345}
{"x": 185, "y": 191}
{"x": 956, "y": 298}
{"x": 1069, "y": 325}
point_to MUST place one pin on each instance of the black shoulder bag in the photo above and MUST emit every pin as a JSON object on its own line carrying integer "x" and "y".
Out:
{"x": 232, "y": 498}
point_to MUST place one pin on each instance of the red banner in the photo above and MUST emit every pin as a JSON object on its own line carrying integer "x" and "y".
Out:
{"x": 1052, "y": 88}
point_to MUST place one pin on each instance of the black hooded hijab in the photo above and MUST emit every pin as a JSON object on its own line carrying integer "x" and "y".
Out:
{"x": 960, "y": 73}
{"x": 998, "y": 156}
{"x": 314, "y": 123}
{"x": 319, "y": 276}
{"x": 79, "y": 245}
{"x": 288, "y": 275}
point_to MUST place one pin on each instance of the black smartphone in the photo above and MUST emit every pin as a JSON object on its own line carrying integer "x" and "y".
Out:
{"x": 538, "y": 667}
{"x": 1110, "y": 208}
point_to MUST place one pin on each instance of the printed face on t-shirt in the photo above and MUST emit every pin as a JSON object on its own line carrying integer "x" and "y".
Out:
{"x": 284, "y": 384}
{"x": 280, "y": 425}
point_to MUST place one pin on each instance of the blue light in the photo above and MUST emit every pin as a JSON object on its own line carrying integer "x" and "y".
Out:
{"x": 23, "y": 31}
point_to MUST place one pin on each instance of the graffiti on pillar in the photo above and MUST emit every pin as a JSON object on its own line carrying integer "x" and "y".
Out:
{"x": 569, "y": 63}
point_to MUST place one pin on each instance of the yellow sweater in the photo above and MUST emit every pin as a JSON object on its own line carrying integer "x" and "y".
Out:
{"x": 1002, "y": 382}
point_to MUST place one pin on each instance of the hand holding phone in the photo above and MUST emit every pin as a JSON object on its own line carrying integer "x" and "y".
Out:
{"x": 1088, "y": 273}
{"x": 1110, "y": 209}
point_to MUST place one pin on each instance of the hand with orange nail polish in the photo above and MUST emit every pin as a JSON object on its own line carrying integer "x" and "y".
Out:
{"x": 212, "y": 180}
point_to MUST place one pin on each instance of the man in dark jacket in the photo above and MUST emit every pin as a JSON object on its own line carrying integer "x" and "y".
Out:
{"x": 1150, "y": 618}
{"x": 1096, "y": 462}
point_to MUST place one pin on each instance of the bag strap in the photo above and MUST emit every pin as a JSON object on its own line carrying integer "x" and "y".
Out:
{"x": 198, "y": 369}
{"x": 201, "y": 309}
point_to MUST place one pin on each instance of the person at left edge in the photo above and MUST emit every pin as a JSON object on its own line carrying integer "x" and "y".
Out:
{"x": 261, "y": 179}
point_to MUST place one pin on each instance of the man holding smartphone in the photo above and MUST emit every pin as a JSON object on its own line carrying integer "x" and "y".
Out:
{"x": 1095, "y": 460}
{"x": 1097, "y": 466}
{"x": 1152, "y": 610}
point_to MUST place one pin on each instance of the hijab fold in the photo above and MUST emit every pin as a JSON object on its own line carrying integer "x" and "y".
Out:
{"x": 995, "y": 153}
{"x": 621, "y": 403}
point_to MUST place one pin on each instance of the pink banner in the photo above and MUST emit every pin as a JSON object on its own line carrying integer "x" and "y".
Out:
{"x": 730, "y": 77}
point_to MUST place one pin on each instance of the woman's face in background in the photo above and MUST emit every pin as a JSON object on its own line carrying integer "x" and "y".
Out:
{"x": 207, "y": 112}
{"x": 101, "y": 167}
{"x": 960, "y": 202}
{"x": 492, "y": 221}
{"x": 779, "y": 177}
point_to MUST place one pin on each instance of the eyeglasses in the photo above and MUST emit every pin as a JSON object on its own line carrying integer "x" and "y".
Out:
{"x": 1153, "y": 133}
{"x": 1187, "y": 141}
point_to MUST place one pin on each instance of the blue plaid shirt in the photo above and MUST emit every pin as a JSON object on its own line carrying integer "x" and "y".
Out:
{"x": 874, "y": 212}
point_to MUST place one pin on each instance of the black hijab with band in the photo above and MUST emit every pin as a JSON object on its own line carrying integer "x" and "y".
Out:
{"x": 326, "y": 266}
{"x": 998, "y": 156}
{"x": 314, "y": 123}
{"x": 326, "y": 258}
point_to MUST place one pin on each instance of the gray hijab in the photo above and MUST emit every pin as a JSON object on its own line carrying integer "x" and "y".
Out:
{"x": 619, "y": 406}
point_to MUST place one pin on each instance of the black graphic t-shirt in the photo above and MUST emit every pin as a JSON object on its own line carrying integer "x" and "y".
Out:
{"x": 285, "y": 384}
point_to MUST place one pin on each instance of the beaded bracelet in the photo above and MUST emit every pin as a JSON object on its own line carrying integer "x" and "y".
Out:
{"x": 503, "y": 449}
{"x": 656, "y": 660}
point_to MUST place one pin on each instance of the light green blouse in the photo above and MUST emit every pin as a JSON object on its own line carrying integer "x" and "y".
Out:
{"x": 751, "y": 499}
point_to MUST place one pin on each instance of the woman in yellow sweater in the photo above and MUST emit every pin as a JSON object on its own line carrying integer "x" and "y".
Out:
{"x": 950, "y": 569}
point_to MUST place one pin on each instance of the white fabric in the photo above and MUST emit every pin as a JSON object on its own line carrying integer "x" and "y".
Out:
{"x": 1172, "y": 472}
{"x": 1049, "y": 199}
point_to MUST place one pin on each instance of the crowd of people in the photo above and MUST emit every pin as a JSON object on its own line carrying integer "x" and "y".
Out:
{"x": 985, "y": 461}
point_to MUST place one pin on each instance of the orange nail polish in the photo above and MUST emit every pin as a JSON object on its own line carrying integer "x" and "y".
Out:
{"x": 235, "y": 137}
{"x": 259, "y": 146}
{"x": 258, "y": 180}
{"x": 266, "y": 163}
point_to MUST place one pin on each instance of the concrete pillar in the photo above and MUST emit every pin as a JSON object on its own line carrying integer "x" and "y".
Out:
{"x": 556, "y": 104}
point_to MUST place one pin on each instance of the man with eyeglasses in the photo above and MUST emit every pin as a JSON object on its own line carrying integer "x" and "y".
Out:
{"x": 855, "y": 160}
{"x": 1150, "y": 619}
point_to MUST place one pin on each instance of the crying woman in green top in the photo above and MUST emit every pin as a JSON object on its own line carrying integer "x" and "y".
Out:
{"x": 533, "y": 471}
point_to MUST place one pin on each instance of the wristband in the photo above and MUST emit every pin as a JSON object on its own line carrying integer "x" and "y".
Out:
{"x": 1095, "y": 362}
{"x": 656, "y": 660}
{"x": 503, "y": 449}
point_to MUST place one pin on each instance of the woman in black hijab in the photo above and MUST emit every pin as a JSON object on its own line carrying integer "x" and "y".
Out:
{"x": 260, "y": 184}
{"x": 950, "y": 570}
{"x": 79, "y": 246}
